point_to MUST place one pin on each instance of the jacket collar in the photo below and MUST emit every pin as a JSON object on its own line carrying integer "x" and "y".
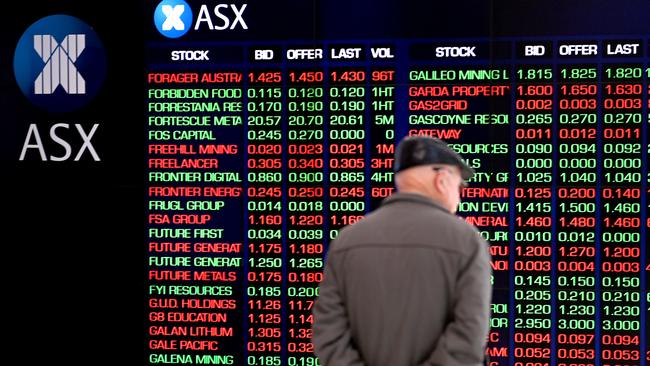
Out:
{"x": 412, "y": 197}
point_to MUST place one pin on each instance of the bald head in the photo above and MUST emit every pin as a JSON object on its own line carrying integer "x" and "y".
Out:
{"x": 439, "y": 182}
{"x": 414, "y": 180}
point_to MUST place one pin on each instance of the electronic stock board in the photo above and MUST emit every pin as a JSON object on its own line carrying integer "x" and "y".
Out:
{"x": 268, "y": 126}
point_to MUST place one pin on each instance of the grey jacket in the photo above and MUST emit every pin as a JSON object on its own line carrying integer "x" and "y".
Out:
{"x": 407, "y": 285}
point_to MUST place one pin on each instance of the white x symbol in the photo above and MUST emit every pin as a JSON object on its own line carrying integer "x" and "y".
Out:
{"x": 59, "y": 68}
{"x": 173, "y": 17}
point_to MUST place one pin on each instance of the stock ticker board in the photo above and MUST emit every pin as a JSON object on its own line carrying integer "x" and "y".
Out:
{"x": 268, "y": 128}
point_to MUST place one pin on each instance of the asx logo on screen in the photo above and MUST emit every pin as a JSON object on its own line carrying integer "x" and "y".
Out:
{"x": 59, "y": 63}
{"x": 173, "y": 18}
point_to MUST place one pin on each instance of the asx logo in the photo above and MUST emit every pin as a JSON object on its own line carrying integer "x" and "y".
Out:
{"x": 173, "y": 18}
{"x": 59, "y": 63}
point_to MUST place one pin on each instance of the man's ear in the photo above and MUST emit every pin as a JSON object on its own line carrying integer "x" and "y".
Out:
{"x": 439, "y": 182}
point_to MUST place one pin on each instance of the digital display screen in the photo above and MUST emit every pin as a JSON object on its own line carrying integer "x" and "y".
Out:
{"x": 269, "y": 127}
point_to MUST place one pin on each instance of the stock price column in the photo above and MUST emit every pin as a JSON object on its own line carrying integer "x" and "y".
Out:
{"x": 533, "y": 164}
{"x": 347, "y": 146}
{"x": 264, "y": 216}
{"x": 620, "y": 205}
{"x": 193, "y": 216}
{"x": 306, "y": 209}
{"x": 576, "y": 191}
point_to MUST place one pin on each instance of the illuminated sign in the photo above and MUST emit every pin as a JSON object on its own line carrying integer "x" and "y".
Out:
{"x": 59, "y": 63}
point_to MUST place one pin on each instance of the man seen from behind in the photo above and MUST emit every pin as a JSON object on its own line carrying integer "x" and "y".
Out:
{"x": 409, "y": 284}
